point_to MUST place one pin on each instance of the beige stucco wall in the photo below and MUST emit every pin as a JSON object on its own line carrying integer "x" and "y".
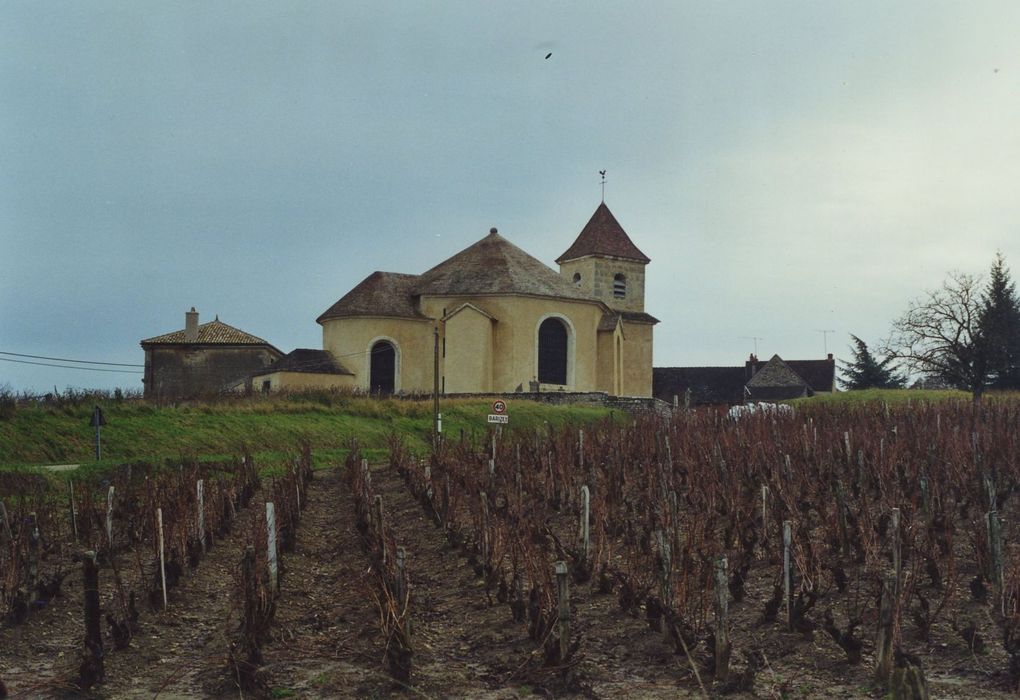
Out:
{"x": 597, "y": 275}
{"x": 467, "y": 352}
{"x": 637, "y": 359}
{"x": 515, "y": 337}
{"x": 350, "y": 339}
{"x": 499, "y": 355}
{"x": 301, "y": 380}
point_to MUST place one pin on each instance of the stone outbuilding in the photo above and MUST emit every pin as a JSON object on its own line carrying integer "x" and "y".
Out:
{"x": 774, "y": 380}
{"x": 497, "y": 320}
{"x": 202, "y": 359}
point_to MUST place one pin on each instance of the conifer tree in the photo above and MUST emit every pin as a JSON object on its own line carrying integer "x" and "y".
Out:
{"x": 866, "y": 372}
{"x": 999, "y": 321}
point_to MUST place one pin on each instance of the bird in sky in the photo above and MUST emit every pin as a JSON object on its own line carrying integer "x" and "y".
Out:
{"x": 548, "y": 55}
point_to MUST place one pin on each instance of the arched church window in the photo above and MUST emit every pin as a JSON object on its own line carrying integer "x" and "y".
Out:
{"x": 619, "y": 286}
{"x": 577, "y": 279}
{"x": 552, "y": 352}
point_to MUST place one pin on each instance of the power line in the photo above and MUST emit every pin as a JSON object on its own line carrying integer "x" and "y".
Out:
{"x": 92, "y": 369}
{"x": 64, "y": 359}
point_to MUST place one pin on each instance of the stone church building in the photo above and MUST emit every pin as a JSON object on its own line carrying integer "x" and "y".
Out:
{"x": 498, "y": 319}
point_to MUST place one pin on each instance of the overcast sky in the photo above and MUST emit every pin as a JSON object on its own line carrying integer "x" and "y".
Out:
{"x": 789, "y": 167}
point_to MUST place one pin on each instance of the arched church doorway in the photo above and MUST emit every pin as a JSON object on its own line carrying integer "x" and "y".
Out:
{"x": 552, "y": 352}
{"x": 383, "y": 368}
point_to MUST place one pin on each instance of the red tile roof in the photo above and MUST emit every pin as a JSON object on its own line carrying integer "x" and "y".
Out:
{"x": 213, "y": 333}
{"x": 603, "y": 235}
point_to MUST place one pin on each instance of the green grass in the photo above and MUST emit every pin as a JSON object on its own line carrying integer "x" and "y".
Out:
{"x": 891, "y": 396}
{"x": 269, "y": 428}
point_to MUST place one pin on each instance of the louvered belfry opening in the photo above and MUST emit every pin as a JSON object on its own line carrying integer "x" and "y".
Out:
{"x": 383, "y": 368}
{"x": 552, "y": 352}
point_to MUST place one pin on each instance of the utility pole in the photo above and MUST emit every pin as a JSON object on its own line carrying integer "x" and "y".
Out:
{"x": 435, "y": 384}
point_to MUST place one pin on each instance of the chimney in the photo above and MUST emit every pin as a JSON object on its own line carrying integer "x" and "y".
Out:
{"x": 191, "y": 326}
{"x": 830, "y": 357}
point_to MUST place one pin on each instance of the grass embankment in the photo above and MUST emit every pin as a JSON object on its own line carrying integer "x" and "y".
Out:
{"x": 266, "y": 426}
{"x": 898, "y": 396}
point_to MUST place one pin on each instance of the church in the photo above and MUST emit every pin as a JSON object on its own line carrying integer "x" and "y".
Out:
{"x": 490, "y": 319}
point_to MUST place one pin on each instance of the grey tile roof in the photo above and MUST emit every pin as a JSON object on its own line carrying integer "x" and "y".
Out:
{"x": 213, "y": 333}
{"x": 603, "y": 235}
{"x": 379, "y": 294}
{"x": 494, "y": 265}
{"x": 776, "y": 373}
{"x": 306, "y": 360}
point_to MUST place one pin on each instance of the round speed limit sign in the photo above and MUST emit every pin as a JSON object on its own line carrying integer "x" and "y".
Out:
{"x": 499, "y": 407}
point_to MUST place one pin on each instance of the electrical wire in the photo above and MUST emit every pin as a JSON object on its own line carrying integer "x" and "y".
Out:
{"x": 64, "y": 359}
{"x": 92, "y": 369}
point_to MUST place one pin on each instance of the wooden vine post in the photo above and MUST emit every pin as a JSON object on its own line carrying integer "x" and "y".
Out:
{"x": 109, "y": 518}
{"x": 484, "y": 498}
{"x": 788, "y": 573}
{"x": 34, "y": 540}
{"x": 722, "y": 639}
{"x": 92, "y": 667}
{"x": 6, "y": 521}
{"x": 378, "y": 525}
{"x": 897, "y": 555}
{"x": 563, "y": 609}
{"x": 884, "y": 640}
{"x": 74, "y": 512}
{"x": 764, "y": 513}
{"x": 994, "y": 548}
{"x": 162, "y": 553}
{"x": 200, "y": 498}
{"x": 272, "y": 562}
{"x": 403, "y": 600}
{"x": 665, "y": 577}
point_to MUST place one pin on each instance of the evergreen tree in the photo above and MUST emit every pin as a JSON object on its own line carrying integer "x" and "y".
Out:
{"x": 866, "y": 372}
{"x": 999, "y": 321}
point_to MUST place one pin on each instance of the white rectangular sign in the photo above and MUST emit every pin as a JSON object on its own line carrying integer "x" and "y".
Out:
{"x": 493, "y": 418}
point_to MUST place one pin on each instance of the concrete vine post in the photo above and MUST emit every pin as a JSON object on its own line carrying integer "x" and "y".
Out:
{"x": 585, "y": 525}
{"x": 994, "y": 548}
{"x": 722, "y": 639}
{"x": 272, "y": 563}
{"x": 485, "y": 527}
{"x": 788, "y": 572}
{"x": 162, "y": 554}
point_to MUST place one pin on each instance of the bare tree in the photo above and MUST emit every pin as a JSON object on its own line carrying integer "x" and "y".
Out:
{"x": 939, "y": 335}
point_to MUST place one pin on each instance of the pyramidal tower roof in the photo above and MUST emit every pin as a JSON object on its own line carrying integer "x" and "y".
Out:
{"x": 603, "y": 235}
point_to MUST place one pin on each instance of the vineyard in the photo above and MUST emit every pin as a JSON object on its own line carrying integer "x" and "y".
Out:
{"x": 839, "y": 549}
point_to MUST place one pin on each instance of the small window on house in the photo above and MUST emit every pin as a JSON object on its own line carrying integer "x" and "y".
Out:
{"x": 266, "y": 386}
{"x": 577, "y": 279}
{"x": 619, "y": 286}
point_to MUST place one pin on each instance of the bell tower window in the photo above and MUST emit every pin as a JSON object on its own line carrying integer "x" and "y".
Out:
{"x": 619, "y": 286}
{"x": 577, "y": 279}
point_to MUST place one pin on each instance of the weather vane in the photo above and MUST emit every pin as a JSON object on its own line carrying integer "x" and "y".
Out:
{"x": 603, "y": 174}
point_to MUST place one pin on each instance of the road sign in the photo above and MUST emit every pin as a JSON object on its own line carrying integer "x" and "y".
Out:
{"x": 494, "y": 418}
{"x": 499, "y": 406}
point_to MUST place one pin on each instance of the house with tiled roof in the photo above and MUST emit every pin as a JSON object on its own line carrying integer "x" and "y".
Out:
{"x": 202, "y": 359}
{"x": 755, "y": 381}
{"x": 501, "y": 321}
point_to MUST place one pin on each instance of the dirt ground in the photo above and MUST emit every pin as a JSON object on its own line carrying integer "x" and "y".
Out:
{"x": 326, "y": 641}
